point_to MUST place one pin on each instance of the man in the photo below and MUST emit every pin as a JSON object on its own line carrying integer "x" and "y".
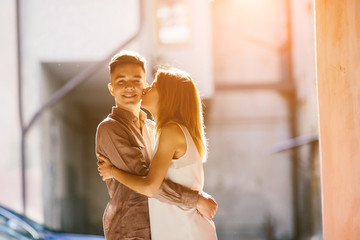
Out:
{"x": 126, "y": 138}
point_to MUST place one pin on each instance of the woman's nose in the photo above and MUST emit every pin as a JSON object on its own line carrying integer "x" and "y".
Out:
{"x": 146, "y": 90}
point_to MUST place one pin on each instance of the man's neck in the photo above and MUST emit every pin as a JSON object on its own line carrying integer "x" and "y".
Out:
{"x": 134, "y": 110}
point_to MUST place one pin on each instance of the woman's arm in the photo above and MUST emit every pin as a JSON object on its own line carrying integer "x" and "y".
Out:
{"x": 169, "y": 141}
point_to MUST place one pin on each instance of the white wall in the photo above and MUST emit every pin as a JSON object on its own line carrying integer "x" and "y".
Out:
{"x": 251, "y": 185}
{"x": 249, "y": 181}
{"x": 194, "y": 57}
{"x": 54, "y": 33}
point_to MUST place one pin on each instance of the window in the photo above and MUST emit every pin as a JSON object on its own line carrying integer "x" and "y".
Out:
{"x": 172, "y": 20}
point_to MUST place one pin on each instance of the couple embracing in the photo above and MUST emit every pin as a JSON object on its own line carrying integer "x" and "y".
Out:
{"x": 153, "y": 171}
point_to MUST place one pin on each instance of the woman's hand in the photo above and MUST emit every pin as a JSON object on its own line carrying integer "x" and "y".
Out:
{"x": 104, "y": 167}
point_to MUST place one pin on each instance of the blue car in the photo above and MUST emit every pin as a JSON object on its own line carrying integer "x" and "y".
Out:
{"x": 15, "y": 226}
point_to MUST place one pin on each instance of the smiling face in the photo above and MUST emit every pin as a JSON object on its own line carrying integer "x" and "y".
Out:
{"x": 127, "y": 84}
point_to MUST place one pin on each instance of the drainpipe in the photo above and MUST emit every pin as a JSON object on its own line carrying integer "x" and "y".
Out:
{"x": 292, "y": 110}
{"x": 20, "y": 108}
{"x": 63, "y": 91}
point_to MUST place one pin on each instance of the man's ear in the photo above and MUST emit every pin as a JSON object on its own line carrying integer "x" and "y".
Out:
{"x": 111, "y": 89}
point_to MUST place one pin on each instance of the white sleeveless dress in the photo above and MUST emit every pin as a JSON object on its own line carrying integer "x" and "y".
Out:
{"x": 169, "y": 222}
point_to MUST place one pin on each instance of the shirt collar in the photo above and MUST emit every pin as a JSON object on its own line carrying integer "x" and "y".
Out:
{"x": 127, "y": 115}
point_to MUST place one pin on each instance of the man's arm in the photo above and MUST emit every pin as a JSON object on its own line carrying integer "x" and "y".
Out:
{"x": 177, "y": 194}
{"x": 181, "y": 196}
{"x": 113, "y": 143}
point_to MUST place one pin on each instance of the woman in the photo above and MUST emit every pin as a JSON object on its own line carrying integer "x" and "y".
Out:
{"x": 175, "y": 104}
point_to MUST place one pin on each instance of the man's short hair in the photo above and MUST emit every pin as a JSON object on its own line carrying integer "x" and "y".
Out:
{"x": 127, "y": 57}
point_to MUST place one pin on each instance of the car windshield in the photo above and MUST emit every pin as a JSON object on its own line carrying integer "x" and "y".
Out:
{"x": 34, "y": 224}
{"x": 15, "y": 227}
{"x": 15, "y": 223}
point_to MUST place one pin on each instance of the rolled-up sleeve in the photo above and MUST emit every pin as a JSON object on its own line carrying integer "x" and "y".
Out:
{"x": 176, "y": 194}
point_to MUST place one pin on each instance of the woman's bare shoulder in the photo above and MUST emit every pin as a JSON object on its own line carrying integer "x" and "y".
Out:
{"x": 172, "y": 127}
{"x": 172, "y": 131}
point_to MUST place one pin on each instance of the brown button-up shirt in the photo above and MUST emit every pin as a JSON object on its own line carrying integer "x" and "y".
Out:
{"x": 120, "y": 140}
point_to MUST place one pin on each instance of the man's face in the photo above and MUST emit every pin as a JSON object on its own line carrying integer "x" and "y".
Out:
{"x": 127, "y": 84}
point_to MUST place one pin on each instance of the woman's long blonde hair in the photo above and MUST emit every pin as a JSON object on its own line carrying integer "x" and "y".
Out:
{"x": 179, "y": 101}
